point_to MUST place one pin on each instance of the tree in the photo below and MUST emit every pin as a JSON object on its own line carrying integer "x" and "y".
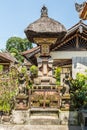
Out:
{"x": 16, "y": 45}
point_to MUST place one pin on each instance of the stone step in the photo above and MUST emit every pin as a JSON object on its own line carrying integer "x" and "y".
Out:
{"x": 44, "y": 112}
{"x": 42, "y": 121}
{"x": 44, "y": 117}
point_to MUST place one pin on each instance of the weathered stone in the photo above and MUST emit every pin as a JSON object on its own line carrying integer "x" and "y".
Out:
{"x": 39, "y": 127}
{"x": 68, "y": 117}
{"x": 20, "y": 117}
{"x": 5, "y": 118}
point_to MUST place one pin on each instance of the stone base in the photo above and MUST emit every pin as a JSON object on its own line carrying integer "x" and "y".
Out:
{"x": 68, "y": 117}
{"x": 20, "y": 117}
{"x": 44, "y": 121}
{"x": 44, "y": 117}
{"x": 5, "y": 119}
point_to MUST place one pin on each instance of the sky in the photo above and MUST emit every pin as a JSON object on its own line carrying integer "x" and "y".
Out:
{"x": 16, "y": 15}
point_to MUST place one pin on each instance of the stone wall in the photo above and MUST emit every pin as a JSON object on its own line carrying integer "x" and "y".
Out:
{"x": 79, "y": 65}
{"x": 68, "y": 117}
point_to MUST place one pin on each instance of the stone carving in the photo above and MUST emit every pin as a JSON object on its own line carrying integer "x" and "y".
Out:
{"x": 79, "y": 7}
{"x": 45, "y": 76}
{"x": 22, "y": 97}
{"x": 44, "y": 11}
{"x": 22, "y": 83}
{"x": 66, "y": 83}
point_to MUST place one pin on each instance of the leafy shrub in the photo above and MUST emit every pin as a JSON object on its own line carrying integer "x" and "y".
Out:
{"x": 1, "y": 68}
{"x": 57, "y": 73}
{"x": 78, "y": 91}
{"x": 34, "y": 70}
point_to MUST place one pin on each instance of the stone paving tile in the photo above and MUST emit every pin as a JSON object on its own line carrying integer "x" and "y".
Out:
{"x": 38, "y": 127}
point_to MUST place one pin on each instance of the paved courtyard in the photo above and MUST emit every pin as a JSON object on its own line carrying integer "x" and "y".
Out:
{"x": 38, "y": 127}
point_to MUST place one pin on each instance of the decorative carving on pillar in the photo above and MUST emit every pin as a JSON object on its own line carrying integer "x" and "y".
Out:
{"x": 45, "y": 44}
{"x": 45, "y": 40}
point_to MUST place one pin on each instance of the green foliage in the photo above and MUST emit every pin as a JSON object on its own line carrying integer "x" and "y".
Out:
{"x": 78, "y": 91}
{"x": 57, "y": 73}
{"x": 16, "y": 45}
{"x": 24, "y": 70}
{"x": 34, "y": 70}
{"x": 8, "y": 90}
{"x": 81, "y": 78}
{"x": 30, "y": 83}
{"x": 1, "y": 68}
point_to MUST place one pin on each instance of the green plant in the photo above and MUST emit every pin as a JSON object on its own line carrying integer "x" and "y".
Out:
{"x": 78, "y": 91}
{"x": 34, "y": 70}
{"x": 29, "y": 84}
{"x": 8, "y": 90}
{"x": 24, "y": 70}
{"x": 1, "y": 68}
{"x": 57, "y": 73}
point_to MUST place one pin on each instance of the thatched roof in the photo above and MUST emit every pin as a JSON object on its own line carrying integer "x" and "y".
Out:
{"x": 44, "y": 27}
{"x": 68, "y": 39}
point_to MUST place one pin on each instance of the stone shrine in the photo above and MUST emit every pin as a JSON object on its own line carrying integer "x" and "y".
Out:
{"x": 45, "y": 98}
{"x": 45, "y": 32}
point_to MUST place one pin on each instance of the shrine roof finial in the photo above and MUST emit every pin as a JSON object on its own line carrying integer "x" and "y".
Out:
{"x": 44, "y": 11}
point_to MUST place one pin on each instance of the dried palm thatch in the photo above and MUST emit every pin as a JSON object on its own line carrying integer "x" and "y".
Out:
{"x": 44, "y": 27}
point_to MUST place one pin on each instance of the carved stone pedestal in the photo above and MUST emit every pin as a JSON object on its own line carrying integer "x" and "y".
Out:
{"x": 20, "y": 117}
{"x": 21, "y": 102}
{"x": 65, "y": 103}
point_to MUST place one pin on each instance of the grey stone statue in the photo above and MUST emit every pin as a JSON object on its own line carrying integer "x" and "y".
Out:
{"x": 66, "y": 83}
{"x": 44, "y": 11}
{"x": 79, "y": 7}
{"x": 22, "y": 84}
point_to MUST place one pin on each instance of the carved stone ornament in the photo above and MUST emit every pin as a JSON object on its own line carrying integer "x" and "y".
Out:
{"x": 45, "y": 40}
{"x": 79, "y": 7}
{"x": 44, "y": 11}
{"x": 45, "y": 49}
